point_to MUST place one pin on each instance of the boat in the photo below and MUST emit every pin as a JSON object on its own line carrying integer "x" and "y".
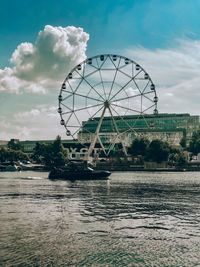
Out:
{"x": 78, "y": 171}
{"x": 8, "y": 167}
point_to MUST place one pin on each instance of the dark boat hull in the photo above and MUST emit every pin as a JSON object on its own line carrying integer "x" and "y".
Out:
{"x": 79, "y": 175}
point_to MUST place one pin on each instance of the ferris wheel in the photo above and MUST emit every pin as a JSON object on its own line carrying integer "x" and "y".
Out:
{"x": 99, "y": 94}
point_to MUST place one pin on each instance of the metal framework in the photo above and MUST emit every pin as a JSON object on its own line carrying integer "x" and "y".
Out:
{"x": 102, "y": 86}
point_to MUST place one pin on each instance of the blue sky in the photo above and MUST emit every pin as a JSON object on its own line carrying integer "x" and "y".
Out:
{"x": 163, "y": 36}
{"x": 112, "y": 24}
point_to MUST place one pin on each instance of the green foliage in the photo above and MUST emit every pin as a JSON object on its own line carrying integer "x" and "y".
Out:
{"x": 13, "y": 144}
{"x": 177, "y": 158}
{"x": 139, "y": 147}
{"x": 157, "y": 151}
{"x": 12, "y": 155}
{"x": 52, "y": 154}
{"x": 38, "y": 153}
{"x": 181, "y": 159}
{"x": 194, "y": 146}
{"x": 183, "y": 142}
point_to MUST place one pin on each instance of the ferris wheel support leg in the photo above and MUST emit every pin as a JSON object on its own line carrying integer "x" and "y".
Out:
{"x": 92, "y": 145}
{"x": 115, "y": 125}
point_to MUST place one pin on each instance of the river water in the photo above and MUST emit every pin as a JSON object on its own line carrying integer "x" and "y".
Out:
{"x": 134, "y": 219}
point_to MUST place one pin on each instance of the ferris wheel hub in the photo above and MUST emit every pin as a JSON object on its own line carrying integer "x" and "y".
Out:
{"x": 106, "y": 104}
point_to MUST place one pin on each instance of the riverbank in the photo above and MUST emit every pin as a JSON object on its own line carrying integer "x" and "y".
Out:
{"x": 128, "y": 167}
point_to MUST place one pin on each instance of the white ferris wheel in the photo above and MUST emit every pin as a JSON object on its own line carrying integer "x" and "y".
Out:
{"x": 103, "y": 90}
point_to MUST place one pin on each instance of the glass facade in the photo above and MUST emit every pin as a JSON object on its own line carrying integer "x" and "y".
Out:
{"x": 168, "y": 127}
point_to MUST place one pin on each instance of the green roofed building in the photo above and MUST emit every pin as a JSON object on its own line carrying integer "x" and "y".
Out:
{"x": 167, "y": 127}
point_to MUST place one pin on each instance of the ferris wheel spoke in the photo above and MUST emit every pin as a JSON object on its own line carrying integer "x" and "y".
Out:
{"x": 132, "y": 79}
{"x": 147, "y": 98}
{"x": 67, "y": 121}
{"x": 73, "y": 126}
{"x": 70, "y": 110}
{"x": 101, "y": 77}
{"x": 92, "y": 117}
{"x": 77, "y": 118}
{"x": 69, "y": 84}
{"x": 146, "y": 86}
{"x": 147, "y": 93}
{"x": 126, "y": 108}
{"x": 85, "y": 96}
{"x": 125, "y": 122}
{"x": 79, "y": 109}
{"x": 87, "y": 75}
{"x": 113, "y": 82}
{"x": 124, "y": 98}
{"x": 93, "y": 88}
{"x": 102, "y": 84}
{"x": 148, "y": 108}
{"x": 129, "y": 76}
{"x": 65, "y": 98}
{"x": 77, "y": 87}
{"x": 129, "y": 97}
{"x": 137, "y": 86}
{"x": 66, "y": 91}
{"x": 89, "y": 97}
{"x": 84, "y": 78}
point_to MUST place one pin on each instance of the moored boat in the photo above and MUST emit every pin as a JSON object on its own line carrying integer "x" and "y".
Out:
{"x": 8, "y": 167}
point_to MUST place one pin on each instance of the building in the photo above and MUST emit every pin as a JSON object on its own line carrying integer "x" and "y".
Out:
{"x": 3, "y": 143}
{"x": 29, "y": 145}
{"x": 166, "y": 127}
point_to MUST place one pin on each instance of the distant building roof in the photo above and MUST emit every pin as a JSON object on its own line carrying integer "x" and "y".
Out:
{"x": 3, "y": 143}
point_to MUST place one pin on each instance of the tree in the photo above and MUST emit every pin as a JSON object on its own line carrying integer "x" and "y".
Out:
{"x": 157, "y": 151}
{"x": 58, "y": 154}
{"x": 38, "y": 153}
{"x": 139, "y": 147}
{"x": 183, "y": 142}
{"x": 14, "y": 144}
{"x": 182, "y": 159}
{"x": 12, "y": 155}
{"x": 52, "y": 154}
{"x": 194, "y": 146}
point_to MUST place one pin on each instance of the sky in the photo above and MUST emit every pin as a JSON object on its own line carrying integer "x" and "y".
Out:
{"x": 41, "y": 41}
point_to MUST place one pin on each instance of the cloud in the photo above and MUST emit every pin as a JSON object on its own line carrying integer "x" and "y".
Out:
{"x": 40, "y": 66}
{"x": 41, "y": 122}
{"x": 175, "y": 72}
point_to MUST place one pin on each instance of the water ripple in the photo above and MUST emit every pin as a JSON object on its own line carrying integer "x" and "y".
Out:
{"x": 135, "y": 219}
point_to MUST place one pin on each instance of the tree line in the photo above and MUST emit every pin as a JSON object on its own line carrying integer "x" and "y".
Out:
{"x": 54, "y": 154}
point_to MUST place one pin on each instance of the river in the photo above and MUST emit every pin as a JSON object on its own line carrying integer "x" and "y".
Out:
{"x": 135, "y": 219}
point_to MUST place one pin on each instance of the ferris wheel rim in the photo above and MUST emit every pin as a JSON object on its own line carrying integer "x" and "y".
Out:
{"x": 103, "y": 98}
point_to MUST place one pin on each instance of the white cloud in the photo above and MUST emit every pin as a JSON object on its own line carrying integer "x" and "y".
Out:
{"x": 41, "y": 122}
{"x": 175, "y": 72}
{"x": 27, "y": 114}
{"x": 42, "y": 65}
